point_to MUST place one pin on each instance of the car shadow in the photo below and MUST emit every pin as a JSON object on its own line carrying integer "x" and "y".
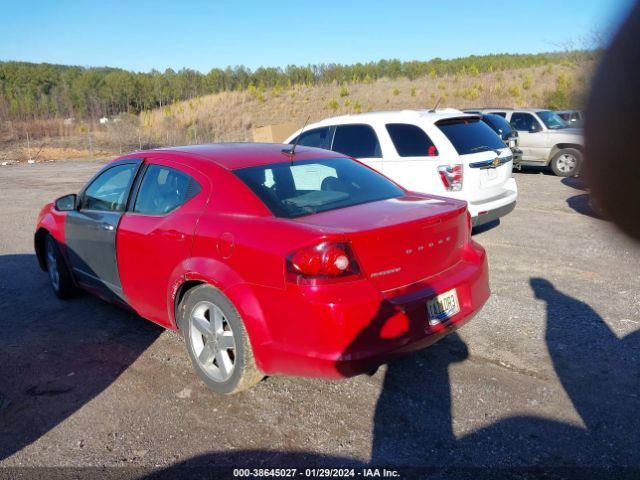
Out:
{"x": 533, "y": 170}
{"x": 585, "y": 205}
{"x": 55, "y": 355}
{"x": 575, "y": 182}
{"x": 485, "y": 227}
{"x": 414, "y": 426}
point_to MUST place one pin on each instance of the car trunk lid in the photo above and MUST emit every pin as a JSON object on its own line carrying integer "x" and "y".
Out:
{"x": 401, "y": 241}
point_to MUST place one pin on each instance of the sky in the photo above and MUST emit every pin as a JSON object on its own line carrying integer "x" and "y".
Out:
{"x": 141, "y": 35}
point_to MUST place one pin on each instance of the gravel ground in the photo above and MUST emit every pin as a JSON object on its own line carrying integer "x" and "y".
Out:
{"x": 543, "y": 381}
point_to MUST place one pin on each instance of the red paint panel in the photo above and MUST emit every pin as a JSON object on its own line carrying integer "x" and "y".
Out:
{"x": 152, "y": 251}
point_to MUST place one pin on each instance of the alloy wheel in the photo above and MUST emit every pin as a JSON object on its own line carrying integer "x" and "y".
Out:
{"x": 566, "y": 163}
{"x": 52, "y": 264}
{"x": 213, "y": 341}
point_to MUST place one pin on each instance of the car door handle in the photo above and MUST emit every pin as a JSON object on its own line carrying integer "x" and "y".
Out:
{"x": 106, "y": 226}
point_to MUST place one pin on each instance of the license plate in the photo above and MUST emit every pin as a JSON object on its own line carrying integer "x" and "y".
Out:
{"x": 442, "y": 307}
{"x": 491, "y": 173}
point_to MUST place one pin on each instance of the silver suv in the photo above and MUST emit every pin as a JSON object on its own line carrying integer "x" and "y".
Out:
{"x": 545, "y": 139}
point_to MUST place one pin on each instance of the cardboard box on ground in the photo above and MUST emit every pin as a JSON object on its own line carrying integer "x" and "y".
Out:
{"x": 275, "y": 133}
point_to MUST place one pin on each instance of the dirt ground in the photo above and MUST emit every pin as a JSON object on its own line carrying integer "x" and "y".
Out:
{"x": 544, "y": 381}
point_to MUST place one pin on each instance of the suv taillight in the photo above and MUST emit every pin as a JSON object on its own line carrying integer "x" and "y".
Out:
{"x": 451, "y": 176}
{"x": 327, "y": 260}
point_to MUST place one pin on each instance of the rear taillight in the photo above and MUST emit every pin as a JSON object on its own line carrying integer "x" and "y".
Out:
{"x": 451, "y": 176}
{"x": 326, "y": 260}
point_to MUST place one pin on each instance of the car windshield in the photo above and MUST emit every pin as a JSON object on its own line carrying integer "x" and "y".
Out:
{"x": 306, "y": 187}
{"x": 552, "y": 120}
{"x": 470, "y": 135}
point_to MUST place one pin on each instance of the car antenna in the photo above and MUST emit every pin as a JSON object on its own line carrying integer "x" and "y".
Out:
{"x": 292, "y": 151}
{"x": 436, "y": 105}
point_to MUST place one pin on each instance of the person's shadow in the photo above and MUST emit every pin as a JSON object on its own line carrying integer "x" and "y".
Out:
{"x": 599, "y": 372}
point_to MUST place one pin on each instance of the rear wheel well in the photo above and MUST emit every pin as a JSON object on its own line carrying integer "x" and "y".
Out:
{"x": 182, "y": 291}
{"x": 39, "y": 246}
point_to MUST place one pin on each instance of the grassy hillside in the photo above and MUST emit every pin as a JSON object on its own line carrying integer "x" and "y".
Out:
{"x": 230, "y": 115}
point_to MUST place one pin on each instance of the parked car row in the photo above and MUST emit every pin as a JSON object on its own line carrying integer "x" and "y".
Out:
{"x": 286, "y": 259}
{"x": 544, "y": 138}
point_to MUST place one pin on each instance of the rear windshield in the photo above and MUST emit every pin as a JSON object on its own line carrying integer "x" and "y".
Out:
{"x": 470, "y": 135}
{"x": 295, "y": 189}
{"x": 498, "y": 124}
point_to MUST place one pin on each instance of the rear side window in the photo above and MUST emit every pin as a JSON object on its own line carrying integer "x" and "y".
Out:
{"x": 318, "y": 137}
{"x": 411, "y": 140}
{"x": 470, "y": 135}
{"x": 359, "y": 141}
{"x": 301, "y": 188}
{"x": 164, "y": 189}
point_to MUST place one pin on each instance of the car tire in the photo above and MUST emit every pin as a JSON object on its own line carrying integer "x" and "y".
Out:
{"x": 217, "y": 341}
{"x": 567, "y": 162}
{"x": 59, "y": 274}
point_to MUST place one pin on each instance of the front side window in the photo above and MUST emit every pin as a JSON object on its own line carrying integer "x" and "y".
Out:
{"x": 109, "y": 191}
{"x": 411, "y": 140}
{"x": 163, "y": 189}
{"x": 552, "y": 120}
{"x": 313, "y": 186}
{"x": 470, "y": 135}
{"x": 318, "y": 137}
{"x": 525, "y": 122}
{"x": 358, "y": 141}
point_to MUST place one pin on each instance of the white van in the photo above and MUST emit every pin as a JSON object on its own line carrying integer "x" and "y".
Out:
{"x": 442, "y": 152}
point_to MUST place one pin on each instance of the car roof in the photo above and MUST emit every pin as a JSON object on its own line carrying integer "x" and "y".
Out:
{"x": 431, "y": 116}
{"x": 503, "y": 109}
{"x": 232, "y": 156}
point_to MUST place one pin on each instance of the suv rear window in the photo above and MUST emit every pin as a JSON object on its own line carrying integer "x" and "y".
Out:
{"x": 470, "y": 135}
{"x": 498, "y": 124}
{"x": 359, "y": 141}
{"x": 306, "y": 187}
{"x": 411, "y": 140}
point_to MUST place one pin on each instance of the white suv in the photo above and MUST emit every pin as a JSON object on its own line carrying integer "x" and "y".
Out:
{"x": 443, "y": 152}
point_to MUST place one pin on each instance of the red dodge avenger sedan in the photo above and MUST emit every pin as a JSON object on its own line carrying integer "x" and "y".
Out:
{"x": 268, "y": 261}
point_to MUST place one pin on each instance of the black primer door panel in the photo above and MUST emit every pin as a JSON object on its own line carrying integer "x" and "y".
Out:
{"x": 90, "y": 232}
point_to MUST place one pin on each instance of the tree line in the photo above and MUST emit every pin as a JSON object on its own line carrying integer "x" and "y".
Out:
{"x": 41, "y": 91}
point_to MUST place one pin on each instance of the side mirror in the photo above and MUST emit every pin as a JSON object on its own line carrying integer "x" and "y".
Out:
{"x": 67, "y": 203}
{"x": 534, "y": 128}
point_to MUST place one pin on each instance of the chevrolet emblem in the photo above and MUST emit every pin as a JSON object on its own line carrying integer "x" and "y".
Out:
{"x": 495, "y": 163}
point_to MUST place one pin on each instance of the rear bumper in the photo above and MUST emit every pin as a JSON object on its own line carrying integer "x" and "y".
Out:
{"x": 517, "y": 156}
{"x": 347, "y": 329}
{"x": 492, "y": 215}
{"x": 489, "y": 209}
